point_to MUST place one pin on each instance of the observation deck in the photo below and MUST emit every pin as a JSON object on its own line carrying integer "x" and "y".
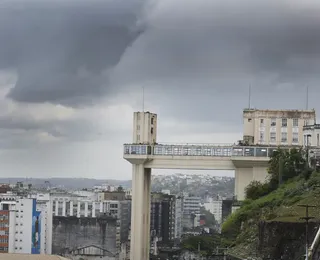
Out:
{"x": 198, "y": 156}
{"x": 209, "y": 150}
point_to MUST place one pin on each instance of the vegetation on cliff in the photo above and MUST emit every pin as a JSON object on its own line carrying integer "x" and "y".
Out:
{"x": 291, "y": 184}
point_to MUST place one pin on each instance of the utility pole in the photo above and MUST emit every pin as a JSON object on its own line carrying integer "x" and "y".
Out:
{"x": 306, "y": 219}
{"x": 280, "y": 170}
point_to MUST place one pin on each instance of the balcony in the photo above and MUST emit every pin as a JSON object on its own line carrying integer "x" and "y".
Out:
{"x": 311, "y": 127}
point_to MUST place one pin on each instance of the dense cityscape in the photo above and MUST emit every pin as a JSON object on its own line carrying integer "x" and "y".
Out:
{"x": 159, "y": 130}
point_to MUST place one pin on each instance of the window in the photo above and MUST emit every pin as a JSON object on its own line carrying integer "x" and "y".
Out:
{"x": 317, "y": 139}
{"x": 262, "y": 121}
{"x": 273, "y": 121}
{"x": 151, "y": 130}
{"x": 138, "y": 127}
{"x": 249, "y": 119}
{"x": 273, "y": 137}
{"x": 138, "y": 116}
{"x": 295, "y": 138}
{"x": 261, "y": 136}
{"x": 283, "y": 137}
{"x": 152, "y": 120}
{"x": 284, "y": 122}
{"x": 295, "y": 122}
{"x": 138, "y": 138}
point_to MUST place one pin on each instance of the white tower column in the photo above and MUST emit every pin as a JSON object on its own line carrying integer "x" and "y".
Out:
{"x": 140, "y": 213}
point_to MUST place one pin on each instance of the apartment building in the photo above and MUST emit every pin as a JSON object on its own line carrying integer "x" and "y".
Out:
{"x": 276, "y": 127}
{"x": 191, "y": 208}
{"x": 25, "y": 226}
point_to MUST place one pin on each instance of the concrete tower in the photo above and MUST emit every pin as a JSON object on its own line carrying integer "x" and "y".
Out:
{"x": 144, "y": 132}
{"x": 144, "y": 128}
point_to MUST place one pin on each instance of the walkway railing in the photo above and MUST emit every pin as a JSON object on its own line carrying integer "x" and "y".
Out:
{"x": 199, "y": 150}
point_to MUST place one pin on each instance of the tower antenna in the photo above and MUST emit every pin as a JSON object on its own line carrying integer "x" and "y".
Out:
{"x": 307, "y": 98}
{"x": 142, "y": 98}
{"x": 249, "y": 96}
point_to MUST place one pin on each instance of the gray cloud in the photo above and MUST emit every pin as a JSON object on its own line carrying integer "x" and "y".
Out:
{"x": 196, "y": 61}
{"x": 63, "y": 50}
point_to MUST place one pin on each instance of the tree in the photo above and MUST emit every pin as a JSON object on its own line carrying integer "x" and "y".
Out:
{"x": 293, "y": 164}
{"x": 120, "y": 189}
{"x": 207, "y": 244}
{"x": 257, "y": 189}
{"x": 209, "y": 217}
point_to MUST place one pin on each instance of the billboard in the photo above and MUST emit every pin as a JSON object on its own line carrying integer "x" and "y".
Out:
{"x": 36, "y": 229}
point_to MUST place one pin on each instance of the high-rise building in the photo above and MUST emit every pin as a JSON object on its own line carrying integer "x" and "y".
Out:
{"x": 162, "y": 219}
{"x": 26, "y": 226}
{"x": 276, "y": 127}
{"x": 178, "y": 218}
{"x": 191, "y": 208}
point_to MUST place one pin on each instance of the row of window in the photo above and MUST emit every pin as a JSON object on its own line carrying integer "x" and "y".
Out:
{"x": 4, "y": 224}
{"x": 4, "y": 239}
{"x": 284, "y": 137}
{"x": 284, "y": 122}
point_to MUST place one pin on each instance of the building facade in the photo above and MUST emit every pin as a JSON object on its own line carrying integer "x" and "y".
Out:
{"x": 191, "y": 208}
{"x": 311, "y": 135}
{"x": 215, "y": 208}
{"x": 178, "y": 218}
{"x": 276, "y": 127}
{"x": 162, "y": 217}
{"x": 26, "y": 226}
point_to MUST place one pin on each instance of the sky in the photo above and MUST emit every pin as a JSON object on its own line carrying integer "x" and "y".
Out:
{"x": 72, "y": 73}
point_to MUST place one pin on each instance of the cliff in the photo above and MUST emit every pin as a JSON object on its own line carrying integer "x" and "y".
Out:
{"x": 271, "y": 226}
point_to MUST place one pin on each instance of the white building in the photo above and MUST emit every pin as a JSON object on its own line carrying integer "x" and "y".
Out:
{"x": 215, "y": 208}
{"x": 276, "y": 127}
{"x": 191, "y": 205}
{"x": 178, "y": 218}
{"x": 28, "y": 224}
{"x": 191, "y": 208}
{"x": 311, "y": 135}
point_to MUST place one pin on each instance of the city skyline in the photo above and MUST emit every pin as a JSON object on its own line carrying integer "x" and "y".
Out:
{"x": 68, "y": 88}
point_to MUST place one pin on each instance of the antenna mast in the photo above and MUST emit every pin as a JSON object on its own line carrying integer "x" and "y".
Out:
{"x": 249, "y": 96}
{"x": 142, "y": 98}
{"x": 307, "y": 99}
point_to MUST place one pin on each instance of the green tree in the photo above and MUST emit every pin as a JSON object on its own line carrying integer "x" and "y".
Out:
{"x": 209, "y": 217}
{"x": 257, "y": 189}
{"x": 120, "y": 189}
{"x": 207, "y": 244}
{"x": 293, "y": 164}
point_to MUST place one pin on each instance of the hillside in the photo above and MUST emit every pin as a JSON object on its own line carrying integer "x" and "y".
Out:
{"x": 271, "y": 226}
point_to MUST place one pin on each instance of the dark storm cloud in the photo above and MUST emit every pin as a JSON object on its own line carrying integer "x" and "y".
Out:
{"x": 206, "y": 54}
{"x": 194, "y": 56}
{"x": 63, "y": 50}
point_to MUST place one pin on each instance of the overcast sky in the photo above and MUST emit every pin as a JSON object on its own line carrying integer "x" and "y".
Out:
{"x": 72, "y": 71}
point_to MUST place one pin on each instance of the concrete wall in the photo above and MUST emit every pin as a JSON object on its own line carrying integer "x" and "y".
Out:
{"x": 71, "y": 233}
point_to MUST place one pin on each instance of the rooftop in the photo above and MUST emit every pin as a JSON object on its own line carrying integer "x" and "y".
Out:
{"x": 30, "y": 257}
{"x": 278, "y": 110}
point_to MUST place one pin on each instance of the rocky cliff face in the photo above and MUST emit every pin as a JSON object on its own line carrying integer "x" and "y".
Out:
{"x": 284, "y": 240}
